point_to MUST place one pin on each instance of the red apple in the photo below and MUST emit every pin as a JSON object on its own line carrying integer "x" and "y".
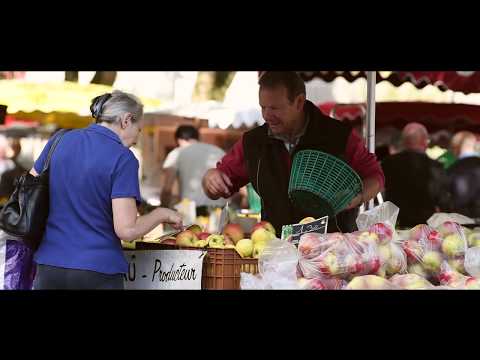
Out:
{"x": 203, "y": 235}
{"x": 448, "y": 228}
{"x": 384, "y": 232}
{"x": 186, "y": 238}
{"x": 234, "y": 232}
{"x": 264, "y": 225}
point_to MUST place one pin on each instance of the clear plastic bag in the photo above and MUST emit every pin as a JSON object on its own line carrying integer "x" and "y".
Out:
{"x": 277, "y": 267}
{"x": 370, "y": 282}
{"x": 323, "y": 283}
{"x": 341, "y": 256}
{"x": 411, "y": 282}
{"x": 472, "y": 261}
{"x": 427, "y": 248}
{"x": 453, "y": 279}
{"x": 381, "y": 221}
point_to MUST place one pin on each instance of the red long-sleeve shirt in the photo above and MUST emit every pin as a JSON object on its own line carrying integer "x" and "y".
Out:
{"x": 357, "y": 156}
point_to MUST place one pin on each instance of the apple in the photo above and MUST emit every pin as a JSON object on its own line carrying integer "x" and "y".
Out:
{"x": 258, "y": 249}
{"x": 453, "y": 245}
{"x": 419, "y": 232}
{"x": 264, "y": 225}
{"x": 227, "y": 241}
{"x": 367, "y": 237}
{"x": 310, "y": 244}
{"x": 452, "y": 278}
{"x": 434, "y": 240}
{"x": 414, "y": 250}
{"x": 432, "y": 260}
{"x": 369, "y": 282}
{"x": 200, "y": 243}
{"x": 307, "y": 220}
{"x": 473, "y": 239}
{"x": 384, "y": 252}
{"x": 303, "y": 283}
{"x": 418, "y": 270}
{"x": 216, "y": 241}
{"x": 244, "y": 248}
{"x": 203, "y": 235}
{"x": 384, "y": 232}
{"x": 234, "y": 232}
{"x": 169, "y": 241}
{"x": 395, "y": 265}
{"x": 472, "y": 283}
{"x": 186, "y": 238}
{"x": 449, "y": 228}
{"x": 196, "y": 229}
{"x": 411, "y": 282}
{"x": 330, "y": 264}
{"x": 262, "y": 235}
{"x": 457, "y": 264}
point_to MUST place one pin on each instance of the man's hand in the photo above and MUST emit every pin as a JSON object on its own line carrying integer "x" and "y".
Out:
{"x": 357, "y": 201}
{"x": 216, "y": 184}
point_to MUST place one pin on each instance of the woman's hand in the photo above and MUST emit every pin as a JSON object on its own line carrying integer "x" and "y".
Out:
{"x": 171, "y": 217}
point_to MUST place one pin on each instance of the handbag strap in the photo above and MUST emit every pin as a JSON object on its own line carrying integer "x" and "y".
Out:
{"x": 57, "y": 139}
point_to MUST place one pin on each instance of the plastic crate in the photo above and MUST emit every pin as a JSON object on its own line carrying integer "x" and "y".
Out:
{"x": 222, "y": 268}
{"x": 322, "y": 184}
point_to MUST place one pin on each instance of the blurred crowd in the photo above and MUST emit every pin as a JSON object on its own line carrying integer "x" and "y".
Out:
{"x": 427, "y": 173}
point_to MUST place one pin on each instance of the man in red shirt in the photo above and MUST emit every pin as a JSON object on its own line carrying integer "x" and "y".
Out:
{"x": 263, "y": 156}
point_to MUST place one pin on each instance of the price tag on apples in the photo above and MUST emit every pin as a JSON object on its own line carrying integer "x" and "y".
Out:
{"x": 292, "y": 233}
{"x": 164, "y": 270}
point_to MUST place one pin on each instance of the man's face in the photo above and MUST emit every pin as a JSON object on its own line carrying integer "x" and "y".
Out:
{"x": 280, "y": 114}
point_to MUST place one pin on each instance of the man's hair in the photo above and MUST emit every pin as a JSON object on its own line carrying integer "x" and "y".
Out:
{"x": 289, "y": 79}
{"x": 462, "y": 138}
{"x": 414, "y": 135}
{"x": 186, "y": 132}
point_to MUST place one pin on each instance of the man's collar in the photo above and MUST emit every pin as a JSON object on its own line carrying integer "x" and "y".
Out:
{"x": 105, "y": 131}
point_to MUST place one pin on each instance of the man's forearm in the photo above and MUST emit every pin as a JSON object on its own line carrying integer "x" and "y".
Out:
{"x": 371, "y": 187}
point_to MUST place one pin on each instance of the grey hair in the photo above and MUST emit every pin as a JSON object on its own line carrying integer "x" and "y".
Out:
{"x": 119, "y": 104}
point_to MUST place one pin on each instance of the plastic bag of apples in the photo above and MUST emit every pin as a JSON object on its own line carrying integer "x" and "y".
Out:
{"x": 373, "y": 250}
{"x": 428, "y": 248}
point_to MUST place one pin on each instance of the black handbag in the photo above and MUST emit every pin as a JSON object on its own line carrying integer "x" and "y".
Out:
{"x": 26, "y": 211}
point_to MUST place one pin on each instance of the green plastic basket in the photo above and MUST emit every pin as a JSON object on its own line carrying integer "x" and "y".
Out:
{"x": 322, "y": 184}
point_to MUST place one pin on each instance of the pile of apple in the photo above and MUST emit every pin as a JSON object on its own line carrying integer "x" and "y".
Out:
{"x": 428, "y": 248}
{"x": 345, "y": 256}
{"x": 232, "y": 237}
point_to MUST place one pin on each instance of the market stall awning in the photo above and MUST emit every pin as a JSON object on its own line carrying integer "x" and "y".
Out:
{"x": 462, "y": 81}
{"x": 435, "y": 116}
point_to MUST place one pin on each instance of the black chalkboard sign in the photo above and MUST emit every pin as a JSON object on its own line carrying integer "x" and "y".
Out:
{"x": 292, "y": 233}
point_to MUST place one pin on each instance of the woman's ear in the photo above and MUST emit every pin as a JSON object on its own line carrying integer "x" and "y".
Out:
{"x": 126, "y": 120}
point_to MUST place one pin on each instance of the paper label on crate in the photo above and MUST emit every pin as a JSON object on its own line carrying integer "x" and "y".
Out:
{"x": 164, "y": 269}
{"x": 292, "y": 233}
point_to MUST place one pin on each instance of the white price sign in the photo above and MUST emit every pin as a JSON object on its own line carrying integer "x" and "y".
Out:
{"x": 164, "y": 269}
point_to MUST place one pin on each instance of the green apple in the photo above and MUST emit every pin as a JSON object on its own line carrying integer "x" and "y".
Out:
{"x": 417, "y": 269}
{"x": 262, "y": 235}
{"x": 244, "y": 248}
{"x": 453, "y": 245}
{"x": 384, "y": 252}
{"x": 432, "y": 260}
{"x": 258, "y": 249}
{"x": 200, "y": 243}
{"x": 196, "y": 229}
{"x": 216, "y": 241}
{"x": 457, "y": 265}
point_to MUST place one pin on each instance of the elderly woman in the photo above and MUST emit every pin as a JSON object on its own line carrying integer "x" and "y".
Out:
{"x": 94, "y": 192}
